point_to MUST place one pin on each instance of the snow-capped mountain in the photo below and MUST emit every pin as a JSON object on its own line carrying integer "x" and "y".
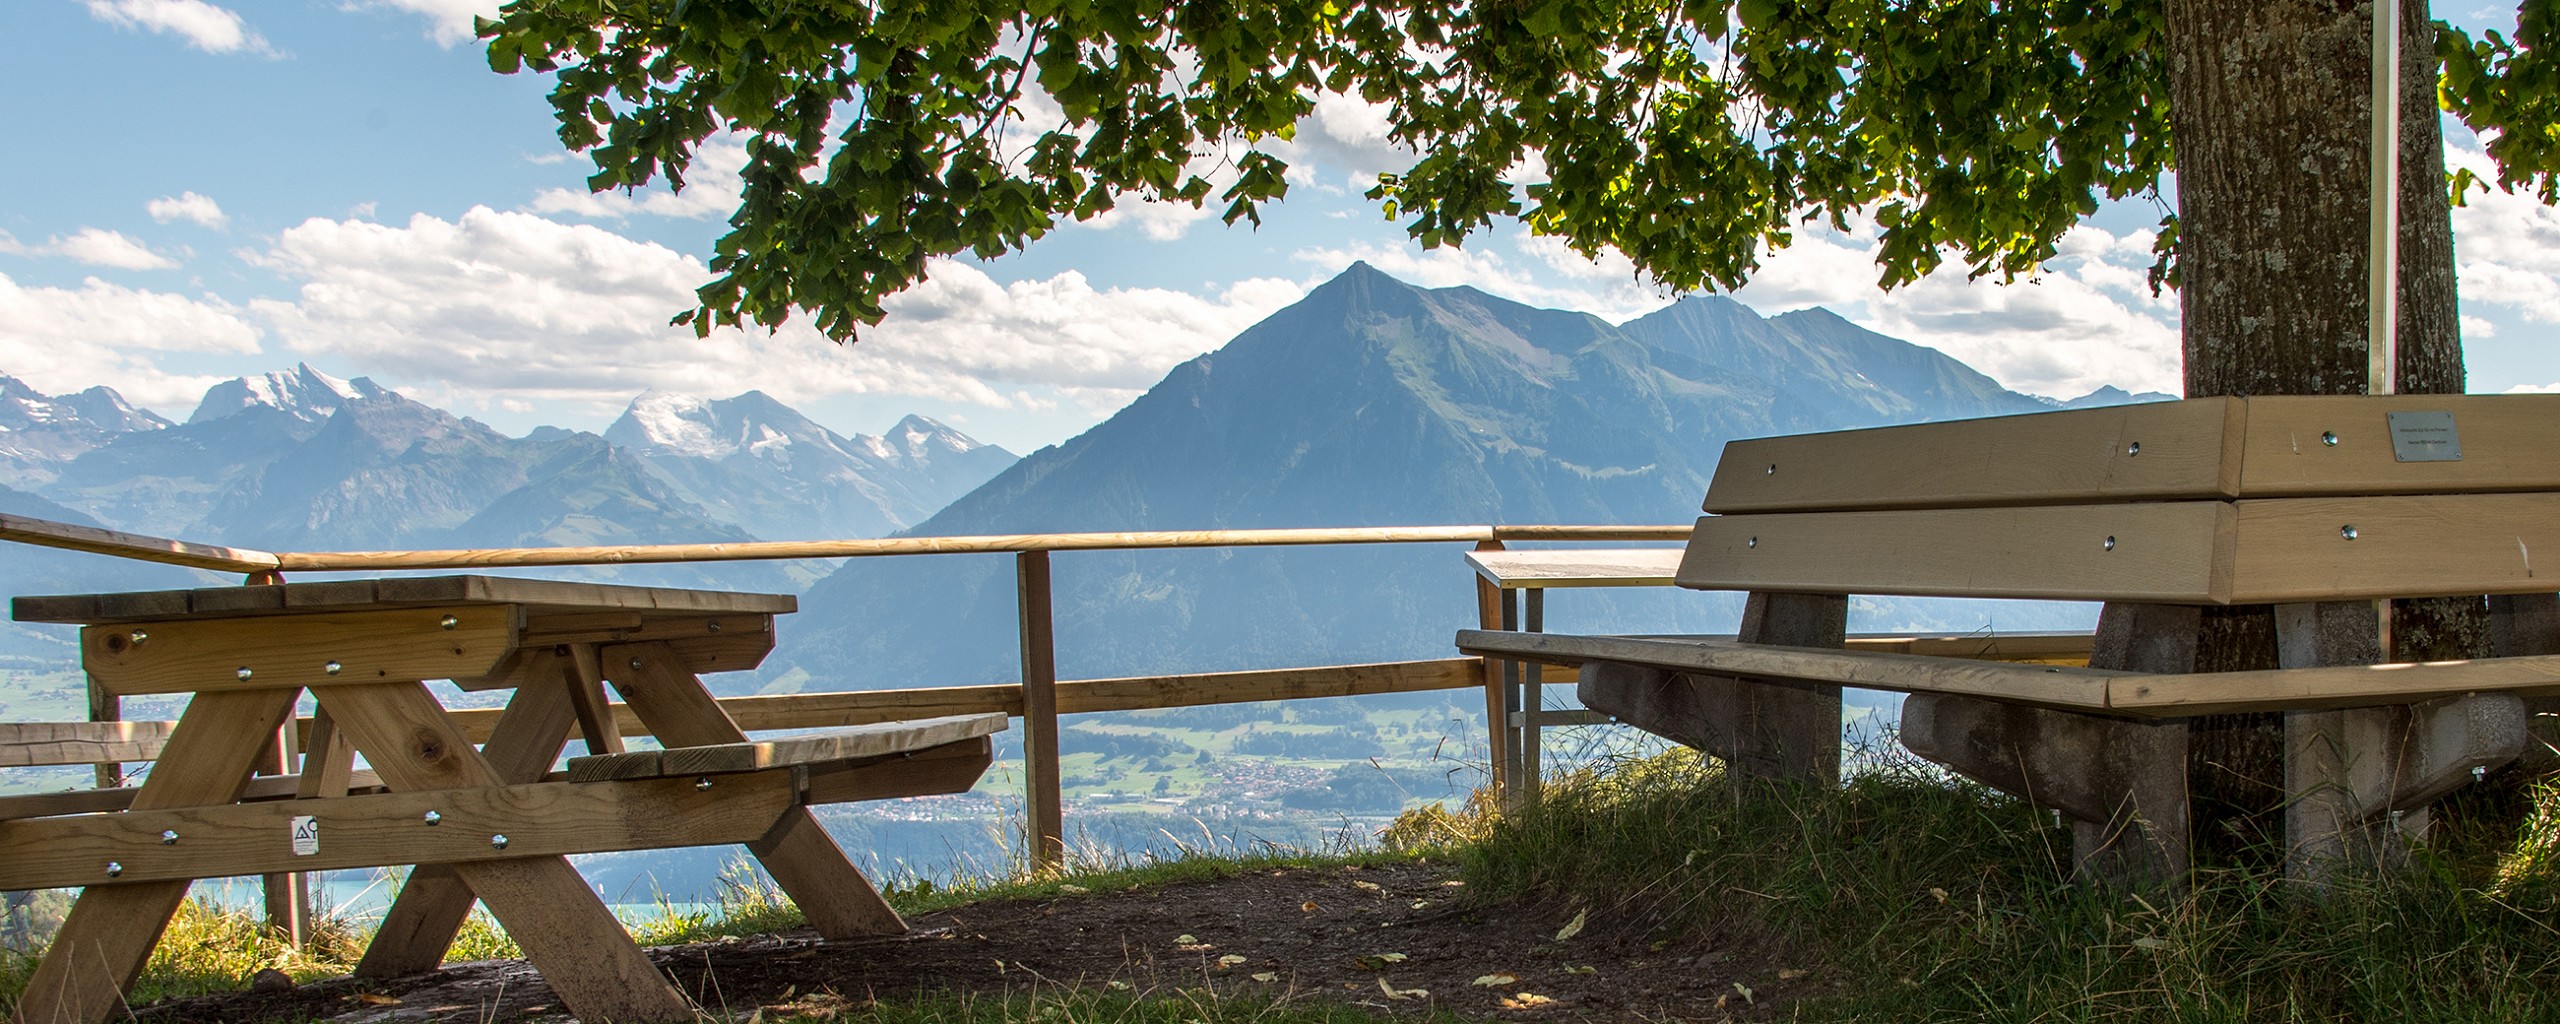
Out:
{"x": 756, "y": 462}
{"x": 39, "y": 432}
{"x": 305, "y": 393}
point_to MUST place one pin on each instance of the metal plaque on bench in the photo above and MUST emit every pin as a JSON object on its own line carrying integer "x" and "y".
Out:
{"x": 2424, "y": 437}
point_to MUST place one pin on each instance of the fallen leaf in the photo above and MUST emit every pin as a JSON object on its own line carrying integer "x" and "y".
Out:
{"x": 1378, "y": 961}
{"x": 1365, "y": 886}
{"x": 1074, "y": 890}
{"x": 1937, "y": 894}
{"x": 1524, "y": 1001}
{"x": 1453, "y": 883}
{"x": 1266, "y": 976}
{"x": 2150, "y": 944}
{"x": 1185, "y": 939}
{"x": 788, "y": 991}
{"x": 1791, "y": 974}
{"x": 1118, "y": 985}
{"x": 1230, "y": 960}
{"x": 376, "y": 999}
{"x": 1746, "y": 993}
{"x": 1497, "y": 980}
{"x": 1419, "y": 904}
{"x": 1309, "y": 906}
{"x": 1402, "y": 993}
{"x": 1581, "y": 970}
{"x": 1573, "y": 927}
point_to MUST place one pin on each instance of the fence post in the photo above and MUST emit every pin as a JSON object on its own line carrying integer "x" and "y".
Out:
{"x": 1497, "y": 717}
{"x": 1046, "y": 826}
{"x": 288, "y": 892}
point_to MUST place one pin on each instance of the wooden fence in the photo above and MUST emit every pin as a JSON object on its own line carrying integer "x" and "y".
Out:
{"x": 1037, "y": 700}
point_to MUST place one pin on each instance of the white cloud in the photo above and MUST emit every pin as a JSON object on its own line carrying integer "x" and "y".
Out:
{"x": 188, "y": 206}
{"x": 448, "y": 21}
{"x": 522, "y": 305}
{"x": 99, "y": 247}
{"x": 711, "y": 190}
{"x": 203, "y": 25}
{"x": 2507, "y": 246}
{"x": 64, "y": 339}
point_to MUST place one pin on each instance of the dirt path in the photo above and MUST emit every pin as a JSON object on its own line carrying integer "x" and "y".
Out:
{"x": 1398, "y": 939}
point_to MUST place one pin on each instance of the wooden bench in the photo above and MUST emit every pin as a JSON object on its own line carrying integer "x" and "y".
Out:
{"x": 2318, "y": 506}
{"x": 491, "y": 822}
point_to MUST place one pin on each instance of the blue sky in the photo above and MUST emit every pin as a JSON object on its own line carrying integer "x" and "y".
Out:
{"x": 204, "y": 190}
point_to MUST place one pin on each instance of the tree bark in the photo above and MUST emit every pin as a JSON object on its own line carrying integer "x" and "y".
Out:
{"x": 2272, "y": 116}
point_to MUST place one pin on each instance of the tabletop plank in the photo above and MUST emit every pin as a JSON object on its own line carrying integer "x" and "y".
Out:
{"x": 1577, "y": 567}
{"x": 359, "y": 595}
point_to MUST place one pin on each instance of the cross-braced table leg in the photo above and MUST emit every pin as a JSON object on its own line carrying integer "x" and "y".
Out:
{"x": 580, "y": 948}
{"x": 654, "y": 680}
{"x": 421, "y": 924}
{"x": 104, "y": 943}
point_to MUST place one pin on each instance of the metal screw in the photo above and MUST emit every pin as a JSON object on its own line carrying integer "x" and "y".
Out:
{"x": 2348, "y": 531}
{"x": 1773, "y": 469}
{"x": 2111, "y": 543}
{"x": 115, "y": 870}
{"x": 244, "y": 672}
{"x": 449, "y": 622}
{"x": 702, "y": 784}
{"x": 168, "y": 837}
{"x": 140, "y": 636}
{"x": 433, "y": 818}
{"x": 635, "y": 664}
{"x": 2329, "y": 438}
{"x": 715, "y": 625}
{"x": 2134, "y": 448}
{"x": 1752, "y": 543}
{"x": 498, "y": 842}
{"x": 333, "y": 668}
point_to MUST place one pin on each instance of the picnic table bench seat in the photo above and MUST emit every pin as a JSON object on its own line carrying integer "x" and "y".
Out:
{"x": 2318, "y": 506}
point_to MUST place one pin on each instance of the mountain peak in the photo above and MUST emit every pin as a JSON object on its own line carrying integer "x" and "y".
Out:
{"x": 919, "y": 436}
{"x": 304, "y": 392}
{"x": 671, "y": 421}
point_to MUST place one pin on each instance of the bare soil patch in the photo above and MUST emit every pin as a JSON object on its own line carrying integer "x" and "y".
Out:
{"x": 1401, "y": 939}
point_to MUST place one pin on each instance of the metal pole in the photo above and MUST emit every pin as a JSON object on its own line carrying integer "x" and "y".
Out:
{"x": 2382, "y": 330}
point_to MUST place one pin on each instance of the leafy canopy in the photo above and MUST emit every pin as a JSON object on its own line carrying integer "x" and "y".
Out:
{"x": 1691, "y": 136}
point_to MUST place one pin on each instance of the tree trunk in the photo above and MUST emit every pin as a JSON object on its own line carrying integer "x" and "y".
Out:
{"x": 2272, "y": 116}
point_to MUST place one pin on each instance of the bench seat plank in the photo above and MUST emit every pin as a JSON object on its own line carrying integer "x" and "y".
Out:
{"x": 2057, "y": 686}
{"x": 847, "y": 744}
{"x": 2102, "y": 691}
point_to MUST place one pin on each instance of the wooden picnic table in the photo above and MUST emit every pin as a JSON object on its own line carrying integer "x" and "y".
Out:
{"x": 492, "y": 823}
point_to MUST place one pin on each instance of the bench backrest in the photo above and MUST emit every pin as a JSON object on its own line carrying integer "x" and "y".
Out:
{"x": 2206, "y": 501}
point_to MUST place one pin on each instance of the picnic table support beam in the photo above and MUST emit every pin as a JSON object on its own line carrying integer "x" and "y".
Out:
{"x": 1492, "y": 605}
{"x": 1044, "y": 820}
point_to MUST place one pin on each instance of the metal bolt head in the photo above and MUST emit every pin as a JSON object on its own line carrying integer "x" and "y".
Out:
{"x": 168, "y": 837}
{"x": 244, "y": 672}
{"x": 2111, "y": 543}
{"x": 1752, "y": 543}
{"x": 2133, "y": 448}
{"x": 115, "y": 870}
{"x": 449, "y": 622}
{"x": 139, "y": 637}
{"x": 2348, "y": 531}
{"x": 702, "y": 784}
{"x": 1773, "y": 470}
{"x": 333, "y": 668}
{"x": 713, "y": 625}
{"x": 2329, "y": 437}
{"x": 498, "y": 842}
{"x": 635, "y": 664}
{"x": 433, "y": 818}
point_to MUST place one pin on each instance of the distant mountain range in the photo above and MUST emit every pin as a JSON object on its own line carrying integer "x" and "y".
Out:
{"x": 300, "y": 460}
{"x": 1374, "y": 402}
{"x": 1369, "y": 402}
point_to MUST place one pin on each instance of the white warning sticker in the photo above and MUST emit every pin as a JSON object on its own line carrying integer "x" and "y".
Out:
{"x": 306, "y": 836}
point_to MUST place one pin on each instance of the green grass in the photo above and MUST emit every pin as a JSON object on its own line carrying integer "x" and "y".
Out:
{"x": 1936, "y": 901}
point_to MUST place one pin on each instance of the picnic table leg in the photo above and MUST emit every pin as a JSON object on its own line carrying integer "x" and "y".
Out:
{"x": 1790, "y": 730}
{"x": 103, "y": 944}
{"x": 582, "y": 950}
{"x": 433, "y": 904}
{"x": 1490, "y": 601}
{"x": 838, "y": 901}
